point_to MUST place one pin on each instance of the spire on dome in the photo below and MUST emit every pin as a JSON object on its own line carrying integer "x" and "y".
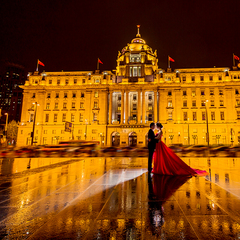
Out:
{"x": 138, "y": 34}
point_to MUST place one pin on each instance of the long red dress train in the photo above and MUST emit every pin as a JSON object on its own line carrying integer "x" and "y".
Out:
{"x": 166, "y": 162}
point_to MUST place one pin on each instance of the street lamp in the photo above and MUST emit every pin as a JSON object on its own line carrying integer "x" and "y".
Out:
{"x": 232, "y": 133}
{"x": 218, "y": 137}
{"x": 102, "y": 138}
{"x": 6, "y": 125}
{"x": 85, "y": 134}
{"x": 34, "y": 120}
{"x": 207, "y": 136}
{"x": 171, "y": 137}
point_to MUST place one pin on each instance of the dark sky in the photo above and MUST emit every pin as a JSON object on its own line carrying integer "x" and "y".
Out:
{"x": 71, "y": 35}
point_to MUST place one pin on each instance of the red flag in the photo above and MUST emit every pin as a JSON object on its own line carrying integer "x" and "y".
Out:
{"x": 100, "y": 61}
{"x": 40, "y": 63}
{"x": 170, "y": 59}
{"x": 236, "y": 57}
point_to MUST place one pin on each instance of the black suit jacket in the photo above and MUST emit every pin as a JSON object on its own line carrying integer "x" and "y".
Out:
{"x": 152, "y": 141}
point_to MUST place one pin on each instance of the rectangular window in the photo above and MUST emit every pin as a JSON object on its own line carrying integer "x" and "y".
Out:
{"x": 96, "y": 94}
{"x": 134, "y": 106}
{"x": 119, "y": 107}
{"x": 64, "y": 117}
{"x": 64, "y": 105}
{"x": 220, "y": 92}
{"x": 134, "y": 97}
{"x": 184, "y": 78}
{"x": 55, "y": 117}
{"x": 203, "y": 116}
{"x": 44, "y": 140}
{"x": 210, "y": 78}
{"x": 150, "y": 107}
{"x": 202, "y": 93}
{"x": 219, "y": 77}
{"x": 54, "y": 131}
{"x": 56, "y": 105}
{"x": 45, "y": 132}
{"x": 238, "y": 114}
{"x": 82, "y": 95}
{"x": 193, "y": 93}
{"x": 149, "y": 96}
{"x": 194, "y": 116}
{"x": 236, "y": 91}
{"x": 94, "y": 117}
{"x": 49, "y": 95}
{"x": 62, "y": 131}
{"x": 72, "y": 117}
{"x": 65, "y": 95}
{"x": 83, "y": 81}
{"x": 81, "y": 105}
{"x": 50, "y": 81}
{"x": 211, "y": 92}
{"x": 34, "y": 95}
{"x": 150, "y": 117}
{"x": 66, "y": 81}
{"x": 119, "y": 97}
{"x": 57, "y": 95}
{"x": 48, "y": 106}
{"x": 237, "y": 102}
{"x": 185, "y": 117}
{"x": 201, "y": 78}
{"x": 95, "y": 104}
{"x": 213, "y": 116}
{"x": 58, "y": 82}
{"x": 212, "y": 104}
{"x": 169, "y": 103}
{"x": 81, "y": 117}
{"x": 222, "y": 116}
{"x": 73, "y": 104}
{"x": 193, "y": 78}
{"x": 31, "y": 117}
{"x": 169, "y": 93}
{"x": 221, "y": 103}
{"x": 194, "y": 103}
{"x": 185, "y": 103}
{"x": 169, "y": 115}
{"x": 47, "y": 118}
{"x": 184, "y": 93}
{"x": 74, "y": 95}
{"x": 203, "y": 103}
{"x": 75, "y": 81}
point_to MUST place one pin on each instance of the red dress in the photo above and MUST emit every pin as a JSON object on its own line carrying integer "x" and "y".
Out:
{"x": 166, "y": 162}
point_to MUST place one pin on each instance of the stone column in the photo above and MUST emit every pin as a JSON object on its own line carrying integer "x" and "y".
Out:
{"x": 155, "y": 106}
{"x": 122, "y": 106}
{"x": 126, "y": 108}
{"x": 143, "y": 107}
{"x": 110, "y": 107}
{"x": 159, "y": 106}
{"x": 139, "y": 107}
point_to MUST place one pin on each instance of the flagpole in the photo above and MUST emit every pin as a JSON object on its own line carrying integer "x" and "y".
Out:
{"x": 37, "y": 65}
{"x": 98, "y": 64}
{"x": 233, "y": 60}
{"x": 168, "y": 62}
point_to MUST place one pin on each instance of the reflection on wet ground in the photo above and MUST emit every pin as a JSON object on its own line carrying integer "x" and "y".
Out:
{"x": 114, "y": 198}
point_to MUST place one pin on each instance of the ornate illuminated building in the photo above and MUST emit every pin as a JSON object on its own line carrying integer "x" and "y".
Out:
{"x": 116, "y": 107}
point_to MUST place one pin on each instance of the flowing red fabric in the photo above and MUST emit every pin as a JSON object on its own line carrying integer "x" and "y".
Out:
{"x": 166, "y": 162}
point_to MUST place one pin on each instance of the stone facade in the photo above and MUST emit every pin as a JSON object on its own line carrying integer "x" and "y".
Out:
{"x": 116, "y": 107}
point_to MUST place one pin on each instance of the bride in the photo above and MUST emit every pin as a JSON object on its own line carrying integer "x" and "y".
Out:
{"x": 166, "y": 162}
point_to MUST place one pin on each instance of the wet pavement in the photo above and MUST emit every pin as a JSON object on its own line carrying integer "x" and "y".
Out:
{"x": 114, "y": 198}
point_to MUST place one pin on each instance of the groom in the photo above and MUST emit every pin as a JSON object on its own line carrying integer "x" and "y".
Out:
{"x": 151, "y": 145}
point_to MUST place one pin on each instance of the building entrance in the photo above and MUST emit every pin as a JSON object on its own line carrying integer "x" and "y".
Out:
{"x": 115, "y": 139}
{"x": 132, "y": 139}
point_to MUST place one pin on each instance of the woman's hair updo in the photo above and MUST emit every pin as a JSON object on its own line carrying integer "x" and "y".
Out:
{"x": 159, "y": 125}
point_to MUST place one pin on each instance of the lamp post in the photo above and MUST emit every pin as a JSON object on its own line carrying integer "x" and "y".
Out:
{"x": 6, "y": 125}
{"x": 232, "y": 133}
{"x": 34, "y": 120}
{"x": 218, "y": 137}
{"x": 207, "y": 136}
{"x": 188, "y": 133}
{"x": 171, "y": 137}
{"x": 102, "y": 138}
{"x": 194, "y": 138}
{"x": 85, "y": 134}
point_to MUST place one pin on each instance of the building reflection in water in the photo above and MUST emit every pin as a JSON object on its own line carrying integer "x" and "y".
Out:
{"x": 104, "y": 198}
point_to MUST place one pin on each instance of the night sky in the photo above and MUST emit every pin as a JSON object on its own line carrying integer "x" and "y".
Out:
{"x": 71, "y": 35}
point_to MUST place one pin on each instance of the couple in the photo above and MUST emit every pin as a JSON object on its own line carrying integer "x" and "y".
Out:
{"x": 166, "y": 162}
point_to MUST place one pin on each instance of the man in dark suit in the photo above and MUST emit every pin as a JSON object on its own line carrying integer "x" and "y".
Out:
{"x": 151, "y": 145}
